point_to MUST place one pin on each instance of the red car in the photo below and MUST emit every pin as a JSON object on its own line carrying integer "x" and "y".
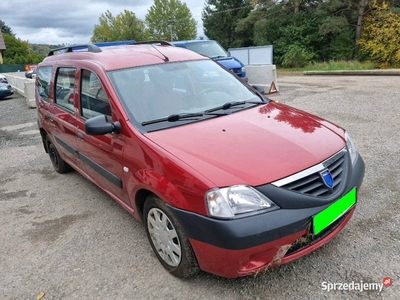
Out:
{"x": 224, "y": 179}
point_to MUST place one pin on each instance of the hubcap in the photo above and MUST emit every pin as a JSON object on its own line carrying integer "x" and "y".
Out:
{"x": 164, "y": 237}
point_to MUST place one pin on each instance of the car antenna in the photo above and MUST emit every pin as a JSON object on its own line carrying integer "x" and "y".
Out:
{"x": 165, "y": 57}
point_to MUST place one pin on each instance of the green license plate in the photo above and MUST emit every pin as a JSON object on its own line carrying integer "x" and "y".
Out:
{"x": 334, "y": 211}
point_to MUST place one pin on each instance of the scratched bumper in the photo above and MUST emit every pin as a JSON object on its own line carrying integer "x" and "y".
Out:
{"x": 246, "y": 246}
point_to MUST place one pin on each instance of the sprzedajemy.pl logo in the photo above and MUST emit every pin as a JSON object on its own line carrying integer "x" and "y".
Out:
{"x": 356, "y": 286}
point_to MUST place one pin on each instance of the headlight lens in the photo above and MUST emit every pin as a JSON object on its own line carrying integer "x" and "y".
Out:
{"x": 351, "y": 148}
{"x": 228, "y": 202}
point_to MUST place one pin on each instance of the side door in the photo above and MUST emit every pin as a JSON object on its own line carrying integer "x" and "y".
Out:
{"x": 42, "y": 95}
{"x": 61, "y": 114}
{"x": 102, "y": 154}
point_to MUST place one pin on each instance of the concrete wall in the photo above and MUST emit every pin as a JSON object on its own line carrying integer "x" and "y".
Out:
{"x": 23, "y": 86}
{"x": 263, "y": 75}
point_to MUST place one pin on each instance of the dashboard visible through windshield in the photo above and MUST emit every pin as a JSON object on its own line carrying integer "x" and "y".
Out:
{"x": 155, "y": 92}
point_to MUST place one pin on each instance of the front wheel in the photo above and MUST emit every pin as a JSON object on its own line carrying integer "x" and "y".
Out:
{"x": 168, "y": 239}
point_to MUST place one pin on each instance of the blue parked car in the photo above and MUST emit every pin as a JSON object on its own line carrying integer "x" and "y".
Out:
{"x": 5, "y": 90}
{"x": 215, "y": 51}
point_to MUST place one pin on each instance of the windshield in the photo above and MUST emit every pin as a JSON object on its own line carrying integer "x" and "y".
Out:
{"x": 157, "y": 91}
{"x": 208, "y": 48}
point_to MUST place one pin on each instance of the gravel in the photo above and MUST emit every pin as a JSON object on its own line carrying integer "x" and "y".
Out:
{"x": 63, "y": 236}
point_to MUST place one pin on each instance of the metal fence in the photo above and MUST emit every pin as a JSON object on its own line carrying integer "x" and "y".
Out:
{"x": 261, "y": 55}
{"x": 8, "y": 68}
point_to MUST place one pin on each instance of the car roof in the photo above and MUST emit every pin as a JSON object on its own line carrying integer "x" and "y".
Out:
{"x": 125, "y": 56}
{"x": 192, "y": 41}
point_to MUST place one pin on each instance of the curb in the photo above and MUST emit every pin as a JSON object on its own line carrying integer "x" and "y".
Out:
{"x": 387, "y": 72}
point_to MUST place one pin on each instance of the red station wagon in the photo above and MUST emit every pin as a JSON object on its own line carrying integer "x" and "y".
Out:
{"x": 224, "y": 179}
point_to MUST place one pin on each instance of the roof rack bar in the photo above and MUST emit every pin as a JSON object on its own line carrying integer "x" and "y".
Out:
{"x": 163, "y": 43}
{"x": 90, "y": 47}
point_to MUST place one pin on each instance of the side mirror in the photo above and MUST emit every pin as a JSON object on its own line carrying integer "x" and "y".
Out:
{"x": 99, "y": 125}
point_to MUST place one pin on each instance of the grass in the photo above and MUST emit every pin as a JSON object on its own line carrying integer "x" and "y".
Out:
{"x": 334, "y": 65}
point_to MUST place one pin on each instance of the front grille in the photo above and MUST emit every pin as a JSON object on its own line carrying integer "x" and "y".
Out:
{"x": 314, "y": 185}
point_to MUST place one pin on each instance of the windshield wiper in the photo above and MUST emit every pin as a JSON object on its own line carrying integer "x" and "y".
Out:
{"x": 183, "y": 116}
{"x": 173, "y": 118}
{"x": 229, "y": 105}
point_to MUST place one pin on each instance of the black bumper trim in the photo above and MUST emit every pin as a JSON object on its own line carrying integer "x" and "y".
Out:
{"x": 254, "y": 230}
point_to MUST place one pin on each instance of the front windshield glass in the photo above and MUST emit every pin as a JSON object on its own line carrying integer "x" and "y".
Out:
{"x": 208, "y": 48}
{"x": 158, "y": 91}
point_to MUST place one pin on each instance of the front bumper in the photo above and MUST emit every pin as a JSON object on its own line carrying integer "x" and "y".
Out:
{"x": 6, "y": 93}
{"x": 244, "y": 246}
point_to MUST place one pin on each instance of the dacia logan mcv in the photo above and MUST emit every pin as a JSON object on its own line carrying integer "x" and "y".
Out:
{"x": 224, "y": 179}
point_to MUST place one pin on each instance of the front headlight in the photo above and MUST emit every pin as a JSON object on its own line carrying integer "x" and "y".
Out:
{"x": 351, "y": 148}
{"x": 228, "y": 202}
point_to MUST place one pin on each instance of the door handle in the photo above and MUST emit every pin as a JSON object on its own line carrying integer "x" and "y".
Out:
{"x": 80, "y": 135}
{"x": 50, "y": 118}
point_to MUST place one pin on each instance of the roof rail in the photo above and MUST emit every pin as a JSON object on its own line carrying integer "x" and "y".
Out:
{"x": 90, "y": 47}
{"x": 162, "y": 43}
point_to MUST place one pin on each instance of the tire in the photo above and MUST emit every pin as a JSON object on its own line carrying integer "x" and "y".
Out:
{"x": 58, "y": 163}
{"x": 168, "y": 239}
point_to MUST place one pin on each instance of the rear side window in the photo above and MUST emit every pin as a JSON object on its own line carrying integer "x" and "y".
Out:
{"x": 65, "y": 84}
{"x": 43, "y": 83}
{"x": 94, "y": 100}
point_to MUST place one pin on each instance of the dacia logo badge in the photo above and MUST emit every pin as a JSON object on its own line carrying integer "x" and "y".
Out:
{"x": 327, "y": 178}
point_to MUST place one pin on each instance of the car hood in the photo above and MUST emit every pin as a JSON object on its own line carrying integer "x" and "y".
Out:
{"x": 254, "y": 146}
{"x": 229, "y": 62}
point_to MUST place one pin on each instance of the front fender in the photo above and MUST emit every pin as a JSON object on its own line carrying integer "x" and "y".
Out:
{"x": 181, "y": 194}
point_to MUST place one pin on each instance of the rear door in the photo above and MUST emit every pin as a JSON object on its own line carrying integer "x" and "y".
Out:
{"x": 43, "y": 95}
{"x": 102, "y": 154}
{"x": 61, "y": 114}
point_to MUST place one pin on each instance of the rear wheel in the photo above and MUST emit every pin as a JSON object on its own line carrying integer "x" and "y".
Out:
{"x": 168, "y": 239}
{"x": 58, "y": 163}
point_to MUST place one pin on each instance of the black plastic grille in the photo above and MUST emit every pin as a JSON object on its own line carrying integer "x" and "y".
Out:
{"x": 314, "y": 185}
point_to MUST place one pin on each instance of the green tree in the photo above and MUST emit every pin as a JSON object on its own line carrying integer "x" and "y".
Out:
{"x": 4, "y": 28}
{"x": 171, "y": 20}
{"x": 18, "y": 52}
{"x": 380, "y": 37}
{"x": 125, "y": 26}
{"x": 220, "y": 19}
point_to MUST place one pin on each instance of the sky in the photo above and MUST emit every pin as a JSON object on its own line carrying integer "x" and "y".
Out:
{"x": 57, "y": 22}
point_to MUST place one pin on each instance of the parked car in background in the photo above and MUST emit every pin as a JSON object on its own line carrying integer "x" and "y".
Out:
{"x": 215, "y": 51}
{"x": 224, "y": 179}
{"x": 31, "y": 73}
{"x": 5, "y": 90}
{"x": 3, "y": 78}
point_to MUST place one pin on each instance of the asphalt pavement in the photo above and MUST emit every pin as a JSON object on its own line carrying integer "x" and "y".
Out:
{"x": 64, "y": 238}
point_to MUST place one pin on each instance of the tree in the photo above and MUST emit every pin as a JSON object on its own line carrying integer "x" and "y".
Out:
{"x": 125, "y": 26}
{"x": 220, "y": 18}
{"x": 171, "y": 20}
{"x": 18, "y": 52}
{"x": 380, "y": 37}
{"x": 4, "y": 28}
